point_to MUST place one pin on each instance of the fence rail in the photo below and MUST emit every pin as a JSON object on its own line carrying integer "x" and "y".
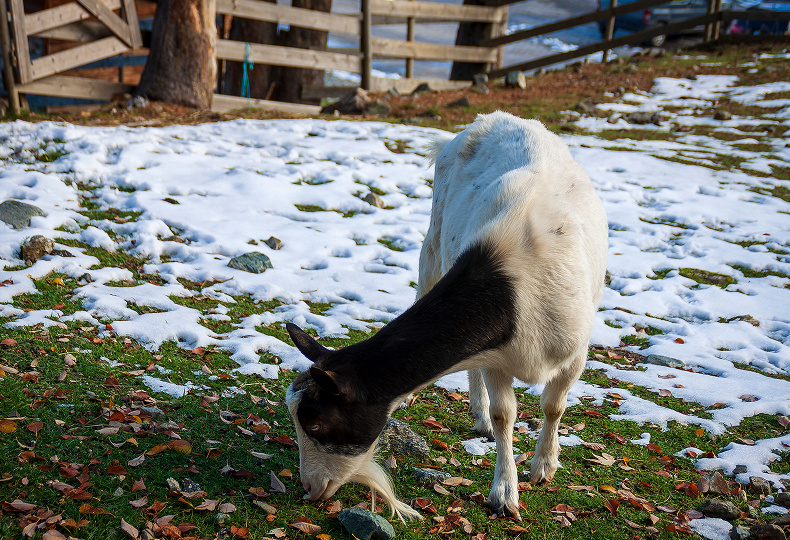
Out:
{"x": 105, "y": 28}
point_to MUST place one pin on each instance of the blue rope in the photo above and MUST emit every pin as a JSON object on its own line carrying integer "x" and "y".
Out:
{"x": 245, "y": 79}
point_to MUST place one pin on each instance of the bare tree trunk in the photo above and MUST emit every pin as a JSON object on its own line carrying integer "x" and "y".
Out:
{"x": 260, "y": 77}
{"x": 182, "y": 64}
{"x": 289, "y": 81}
{"x": 472, "y": 34}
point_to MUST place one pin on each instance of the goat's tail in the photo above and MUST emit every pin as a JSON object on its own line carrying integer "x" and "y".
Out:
{"x": 374, "y": 476}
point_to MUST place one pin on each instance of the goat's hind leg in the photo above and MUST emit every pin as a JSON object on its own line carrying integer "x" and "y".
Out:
{"x": 503, "y": 498}
{"x": 479, "y": 404}
{"x": 553, "y": 401}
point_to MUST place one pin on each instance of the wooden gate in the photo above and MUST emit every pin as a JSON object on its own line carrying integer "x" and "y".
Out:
{"x": 99, "y": 31}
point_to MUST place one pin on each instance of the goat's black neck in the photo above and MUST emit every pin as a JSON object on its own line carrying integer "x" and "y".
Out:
{"x": 470, "y": 310}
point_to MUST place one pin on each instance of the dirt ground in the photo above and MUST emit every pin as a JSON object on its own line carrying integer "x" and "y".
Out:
{"x": 544, "y": 97}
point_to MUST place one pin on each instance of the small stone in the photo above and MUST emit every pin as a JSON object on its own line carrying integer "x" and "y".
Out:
{"x": 585, "y": 107}
{"x": 355, "y": 102}
{"x": 118, "y": 492}
{"x": 274, "y": 243}
{"x": 429, "y": 477}
{"x": 535, "y": 424}
{"x": 692, "y": 77}
{"x": 61, "y": 253}
{"x": 173, "y": 484}
{"x": 253, "y": 262}
{"x": 721, "y": 114}
{"x": 759, "y": 485}
{"x": 643, "y": 117}
{"x": 718, "y": 484}
{"x": 35, "y": 247}
{"x": 516, "y": 79}
{"x": 190, "y": 486}
{"x": 221, "y": 519}
{"x": 479, "y": 89}
{"x": 782, "y": 499}
{"x": 540, "y": 71}
{"x": 170, "y": 200}
{"x": 268, "y": 509}
{"x": 462, "y": 102}
{"x": 740, "y": 469}
{"x": 147, "y": 534}
{"x": 374, "y": 200}
{"x": 480, "y": 79}
{"x": 767, "y": 532}
{"x": 753, "y": 512}
{"x": 137, "y": 102}
{"x": 422, "y": 88}
{"x": 666, "y": 361}
{"x": 782, "y": 520}
{"x": 17, "y": 214}
{"x": 720, "y": 509}
{"x": 153, "y": 411}
{"x": 739, "y": 533}
{"x": 614, "y": 118}
{"x": 399, "y": 437}
{"x": 366, "y": 525}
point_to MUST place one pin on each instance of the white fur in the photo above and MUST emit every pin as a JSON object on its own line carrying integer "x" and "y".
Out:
{"x": 514, "y": 182}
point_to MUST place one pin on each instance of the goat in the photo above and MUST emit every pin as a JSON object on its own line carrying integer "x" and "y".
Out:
{"x": 510, "y": 276}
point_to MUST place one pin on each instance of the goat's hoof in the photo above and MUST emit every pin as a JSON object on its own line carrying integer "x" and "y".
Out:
{"x": 542, "y": 471}
{"x": 485, "y": 430}
{"x": 507, "y": 510}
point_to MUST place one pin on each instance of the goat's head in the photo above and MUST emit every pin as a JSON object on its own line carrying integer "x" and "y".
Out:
{"x": 336, "y": 427}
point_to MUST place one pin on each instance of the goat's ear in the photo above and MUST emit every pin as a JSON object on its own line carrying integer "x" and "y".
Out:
{"x": 327, "y": 380}
{"x": 305, "y": 343}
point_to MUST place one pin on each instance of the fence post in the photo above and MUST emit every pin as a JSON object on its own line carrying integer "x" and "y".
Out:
{"x": 366, "y": 44}
{"x": 709, "y": 26}
{"x": 410, "y": 37}
{"x": 8, "y": 69}
{"x": 717, "y": 24}
{"x": 609, "y": 29}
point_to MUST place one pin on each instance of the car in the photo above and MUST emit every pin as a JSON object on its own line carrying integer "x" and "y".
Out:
{"x": 657, "y": 16}
{"x": 765, "y": 26}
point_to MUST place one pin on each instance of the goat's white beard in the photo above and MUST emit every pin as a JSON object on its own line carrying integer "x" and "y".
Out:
{"x": 374, "y": 476}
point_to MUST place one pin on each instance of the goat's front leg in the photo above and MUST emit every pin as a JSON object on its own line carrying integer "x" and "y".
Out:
{"x": 479, "y": 404}
{"x": 553, "y": 401}
{"x": 503, "y": 498}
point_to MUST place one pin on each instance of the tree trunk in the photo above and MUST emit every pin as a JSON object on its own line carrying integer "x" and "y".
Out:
{"x": 289, "y": 81}
{"x": 472, "y": 34}
{"x": 260, "y": 77}
{"x": 182, "y": 64}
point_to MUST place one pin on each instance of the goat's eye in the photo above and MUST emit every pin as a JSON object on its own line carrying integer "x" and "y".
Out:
{"x": 315, "y": 427}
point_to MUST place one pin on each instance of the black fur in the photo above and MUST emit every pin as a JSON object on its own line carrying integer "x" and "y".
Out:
{"x": 470, "y": 310}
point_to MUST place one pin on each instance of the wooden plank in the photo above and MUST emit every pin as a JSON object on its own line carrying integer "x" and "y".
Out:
{"x": 72, "y": 12}
{"x": 435, "y": 10}
{"x": 300, "y": 17}
{"x": 630, "y": 39}
{"x": 9, "y": 77}
{"x": 585, "y": 18}
{"x": 287, "y": 56}
{"x": 754, "y": 38}
{"x": 382, "y": 84}
{"x": 109, "y": 19}
{"x": 75, "y": 87}
{"x": 20, "y": 41}
{"x": 223, "y": 103}
{"x": 79, "y": 31}
{"x": 728, "y": 16}
{"x": 394, "y": 48}
{"x": 130, "y": 12}
{"x": 77, "y": 56}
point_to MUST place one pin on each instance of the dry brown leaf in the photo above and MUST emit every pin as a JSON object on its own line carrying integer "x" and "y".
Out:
{"x": 227, "y": 508}
{"x": 307, "y": 528}
{"x": 129, "y": 529}
{"x": 261, "y": 455}
{"x": 7, "y": 426}
{"x": 277, "y": 484}
{"x": 35, "y": 427}
{"x": 136, "y": 462}
{"x": 21, "y": 506}
{"x": 783, "y": 421}
{"x": 594, "y": 446}
{"x": 391, "y": 462}
{"x": 181, "y": 446}
{"x": 139, "y": 503}
{"x": 440, "y": 490}
{"x": 208, "y": 505}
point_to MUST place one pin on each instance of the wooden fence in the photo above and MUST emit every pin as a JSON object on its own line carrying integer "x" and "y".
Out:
{"x": 104, "y": 28}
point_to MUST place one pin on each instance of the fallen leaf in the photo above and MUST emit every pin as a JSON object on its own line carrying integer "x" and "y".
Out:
{"x": 307, "y": 528}
{"x": 7, "y": 426}
{"x": 563, "y": 521}
{"x": 53, "y": 534}
{"x": 277, "y": 484}
{"x": 227, "y": 508}
{"x": 699, "y": 432}
{"x": 21, "y": 506}
{"x": 391, "y": 462}
{"x": 180, "y": 445}
{"x": 139, "y": 503}
{"x": 208, "y": 505}
{"x": 663, "y": 392}
{"x": 616, "y": 436}
{"x": 594, "y": 445}
{"x": 679, "y": 340}
{"x": 612, "y": 505}
{"x": 35, "y": 427}
{"x": 783, "y": 421}
{"x": 632, "y": 524}
{"x": 607, "y": 487}
{"x": 440, "y": 490}
{"x": 136, "y": 462}
{"x": 8, "y": 342}
{"x": 129, "y": 529}
{"x": 138, "y": 485}
{"x": 286, "y": 473}
{"x": 261, "y": 455}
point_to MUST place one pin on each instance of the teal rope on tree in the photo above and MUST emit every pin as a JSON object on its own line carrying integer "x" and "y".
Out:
{"x": 245, "y": 79}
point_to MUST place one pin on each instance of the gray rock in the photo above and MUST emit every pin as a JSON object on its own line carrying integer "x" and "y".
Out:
{"x": 720, "y": 509}
{"x": 782, "y": 499}
{"x": 357, "y": 101}
{"x": 753, "y": 512}
{"x": 253, "y": 261}
{"x": 173, "y": 484}
{"x": 480, "y": 79}
{"x": 398, "y": 437}
{"x": 479, "y": 89}
{"x": 585, "y": 107}
{"x": 740, "y": 469}
{"x": 34, "y": 248}
{"x": 153, "y": 411}
{"x": 768, "y": 532}
{"x": 516, "y": 79}
{"x": 274, "y": 243}
{"x": 17, "y": 214}
{"x": 759, "y": 485}
{"x": 374, "y": 200}
{"x": 422, "y": 88}
{"x": 462, "y": 102}
{"x": 782, "y": 520}
{"x": 118, "y": 492}
{"x": 721, "y": 114}
{"x": 61, "y": 253}
{"x": 221, "y": 519}
{"x": 717, "y": 483}
{"x": 137, "y": 102}
{"x": 429, "y": 477}
{"x": 535, "y": 424}
{"x": 666, "y": 361}
{"x": 365, "y": 525}
{"x": 190, "y": 486}
{"x": 614, "y": 118}
{"x": 379, "y": 108}
{"x": 644, "y": 117}
{"x": 739, "y": 533}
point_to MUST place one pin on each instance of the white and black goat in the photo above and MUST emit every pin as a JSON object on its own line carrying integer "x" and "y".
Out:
{"x": 511, "y": 273}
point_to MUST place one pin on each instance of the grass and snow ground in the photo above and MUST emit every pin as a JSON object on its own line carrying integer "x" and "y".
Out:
{"x": 699, "y": 264}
